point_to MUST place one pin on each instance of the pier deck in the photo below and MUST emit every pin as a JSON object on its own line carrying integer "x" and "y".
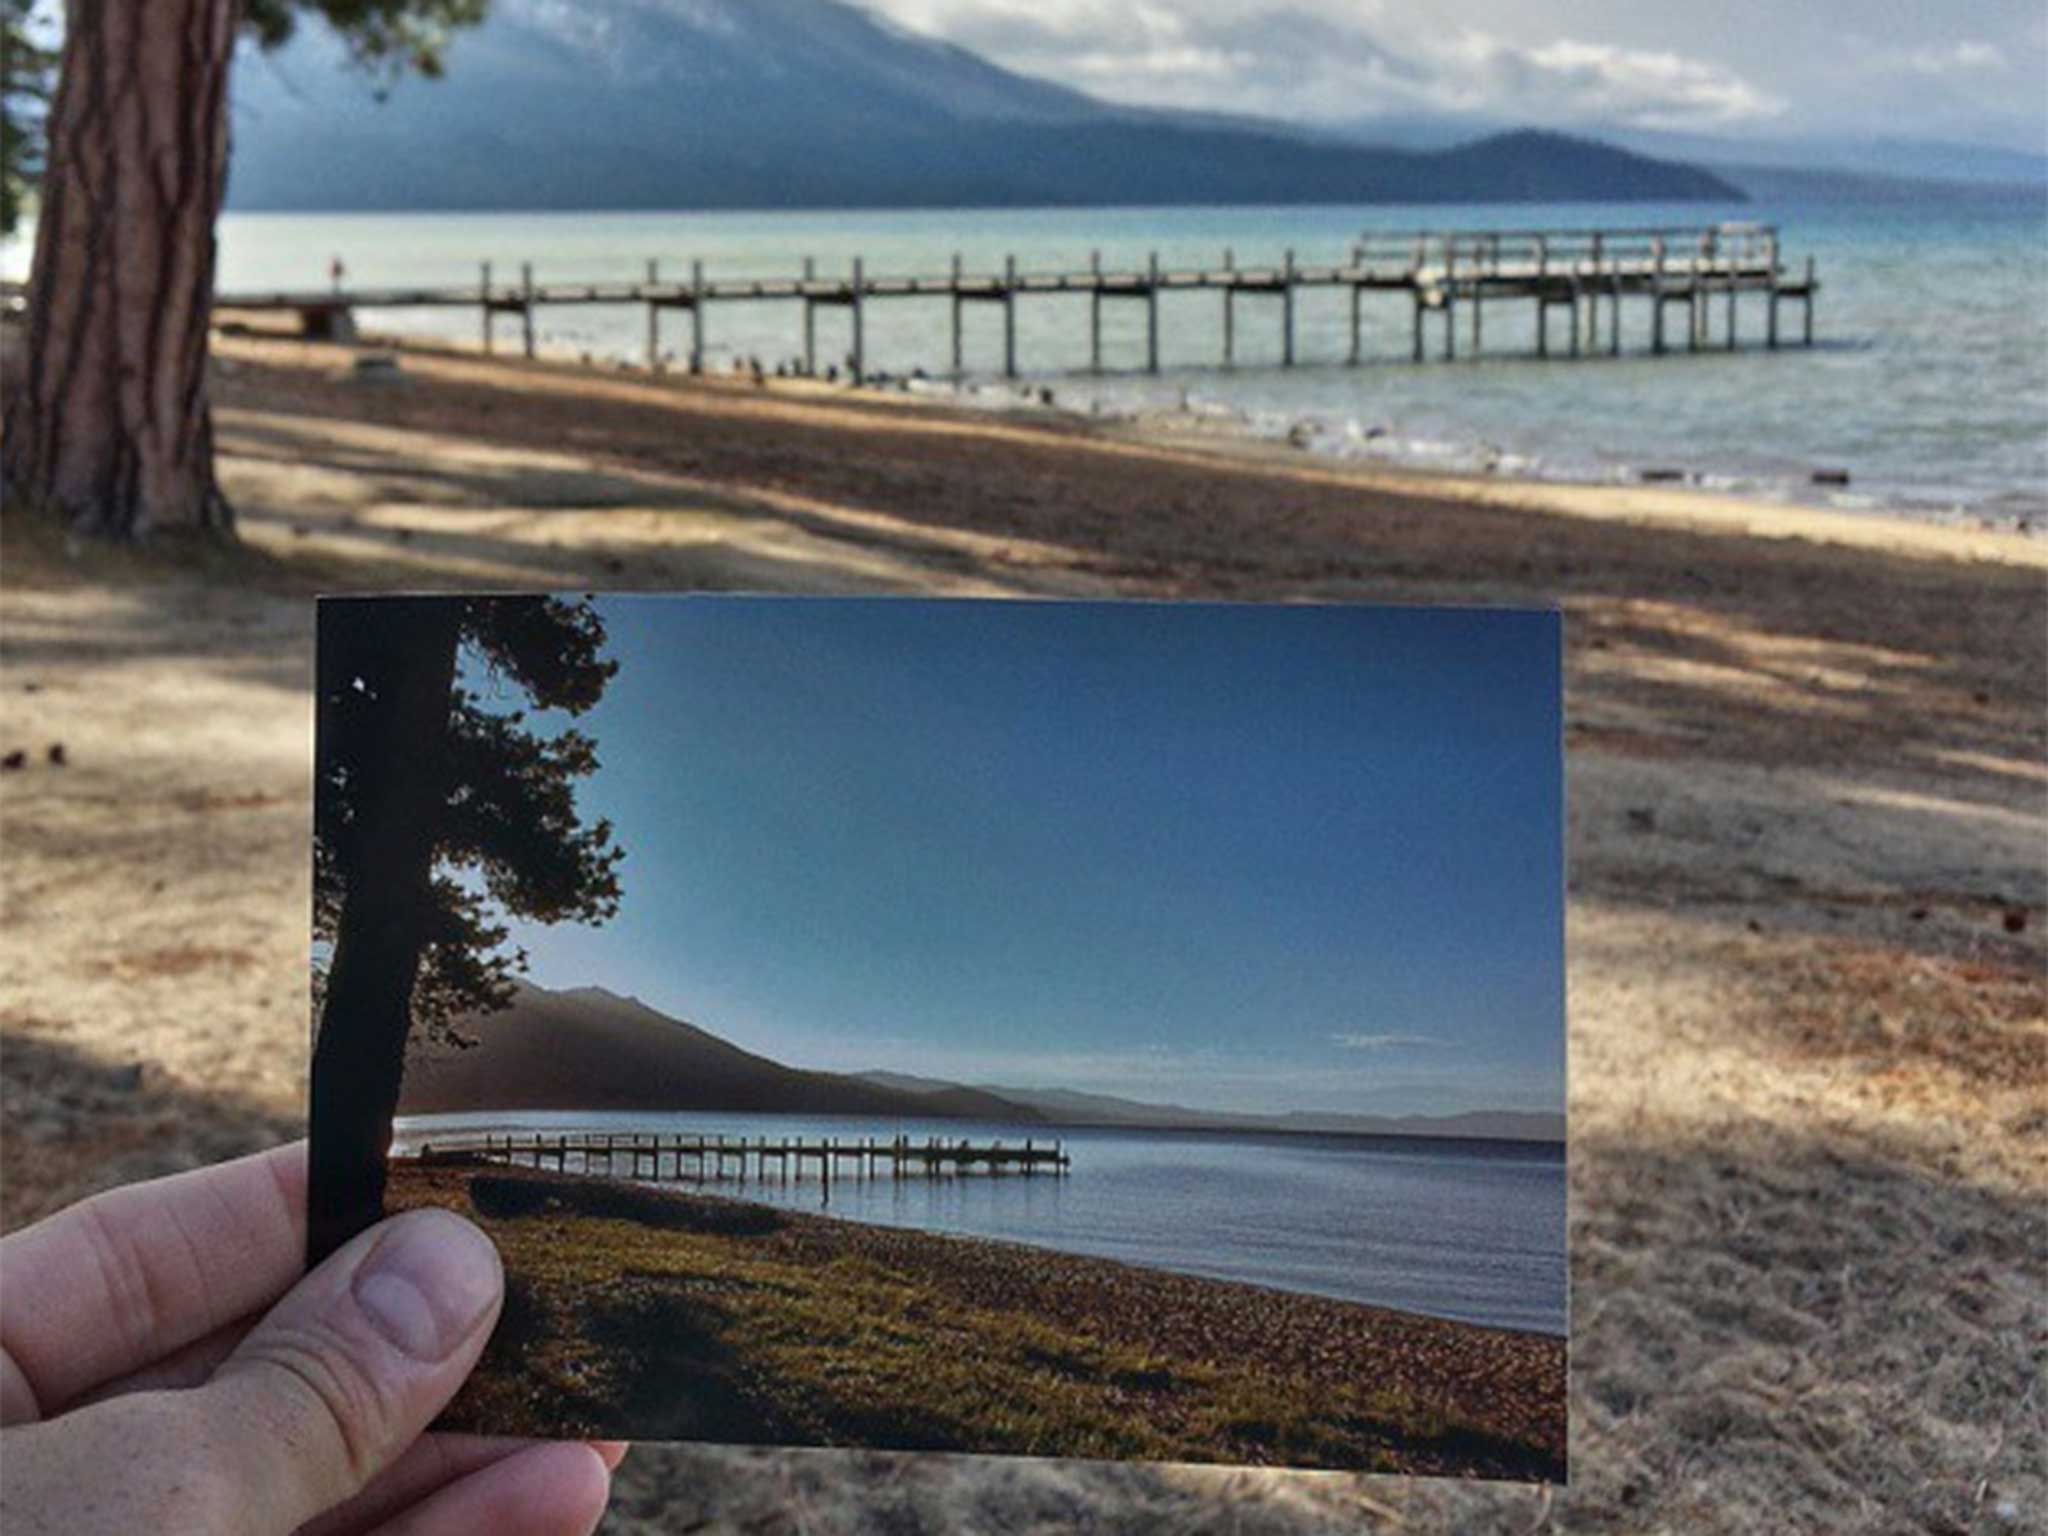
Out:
{"x": 1436, "y": 273}
{"x": 702, "y": 1157}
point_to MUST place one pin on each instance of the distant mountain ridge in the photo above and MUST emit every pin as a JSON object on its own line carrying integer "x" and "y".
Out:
{"x": 676, "y": 104}
{"x": 586, "y": 1048}
{"x": 1065, "y": 1106}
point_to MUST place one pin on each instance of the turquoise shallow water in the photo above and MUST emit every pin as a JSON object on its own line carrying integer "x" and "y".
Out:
{"x": 1929, "y": 386}
{"x": 1468, "y": 1230}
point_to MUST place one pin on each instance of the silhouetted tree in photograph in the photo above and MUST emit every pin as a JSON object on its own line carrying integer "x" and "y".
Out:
{"x": 435, "y": 817}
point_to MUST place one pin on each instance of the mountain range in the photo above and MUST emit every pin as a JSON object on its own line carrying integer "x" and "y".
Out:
{"x": 676, "y": 104}
{"x": 586, "y": 1048}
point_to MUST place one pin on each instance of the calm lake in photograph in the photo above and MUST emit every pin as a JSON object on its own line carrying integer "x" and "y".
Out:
{"x": 1473, "y": 1231}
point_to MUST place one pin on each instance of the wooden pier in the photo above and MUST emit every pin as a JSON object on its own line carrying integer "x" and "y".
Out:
{"x": 700, "y": 1158}
{"x": 1445, "y": 279}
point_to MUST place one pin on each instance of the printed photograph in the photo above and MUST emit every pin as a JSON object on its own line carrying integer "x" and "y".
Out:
{"x": 1103, "y": 1030}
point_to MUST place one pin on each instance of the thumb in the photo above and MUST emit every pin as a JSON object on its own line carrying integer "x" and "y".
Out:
{"x": 345, "y": 1372}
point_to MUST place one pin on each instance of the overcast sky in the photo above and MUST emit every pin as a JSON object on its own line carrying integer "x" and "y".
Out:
{"x": 1971, "y": 69}
{"x": 1253, "y": 858}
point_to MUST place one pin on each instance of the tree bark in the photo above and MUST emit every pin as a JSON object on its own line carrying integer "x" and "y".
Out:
{"x": 408, "y": 664}
{"x": 107, "y": 423}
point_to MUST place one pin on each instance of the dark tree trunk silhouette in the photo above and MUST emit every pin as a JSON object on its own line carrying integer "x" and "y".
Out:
{"x": 358, "y": 1068}
{"x": 108, "y": 422}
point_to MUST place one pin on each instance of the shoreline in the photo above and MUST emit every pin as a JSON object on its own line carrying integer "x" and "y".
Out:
{"x": 1473, "y": 460}
{"x": 1304, "y": 437}
{"x": 1228, "y": 436}
{"x": 1177, "y": 1356}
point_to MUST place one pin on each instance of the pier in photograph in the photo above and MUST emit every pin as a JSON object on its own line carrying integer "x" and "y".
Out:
{"x": 692, "y": 1156}
{"x": 1690, "y": 278}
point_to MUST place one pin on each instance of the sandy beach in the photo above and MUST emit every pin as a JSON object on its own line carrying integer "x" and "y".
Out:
{"x": 1808, "y": 1016}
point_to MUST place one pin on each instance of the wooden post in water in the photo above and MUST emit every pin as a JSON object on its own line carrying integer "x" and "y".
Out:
{"x": 1614, "y": 312}
{"x": 1809, "y": 301}
{"x": 1657, "y": 296}
{"x": 1702, "y": 259}
{"x": 1229, "y": 308}
{"x": 1152, "y": 316}
{"x": 1357, "y": 323}
{"x": 1417, "y": 349}
{"x": 1478, "y": 303}
{"x": 860, "y": 350}
{"x": 1095, "y": 312}
{"x": 811, "y": 320}
{"x": 1009, "y": 317}
{"x": 1731, "y": 312}
{"x": 484, "y": 290}
{"x": 1542, "y": 297}
{"x": 1287, "y": 310}
{"x": 653, "y": 318}
{"x": 526, "y": 306}
{"x": 696, "y": 327}
{"x": 959, "y": 367}
{"x": 1450, "y": 297}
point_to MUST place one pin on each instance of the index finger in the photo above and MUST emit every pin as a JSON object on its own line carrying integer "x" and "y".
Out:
{"x": 122, "y": 1279}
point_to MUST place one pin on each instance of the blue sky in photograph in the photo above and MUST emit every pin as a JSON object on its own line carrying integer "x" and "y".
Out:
{"x": 1238, "y": 857}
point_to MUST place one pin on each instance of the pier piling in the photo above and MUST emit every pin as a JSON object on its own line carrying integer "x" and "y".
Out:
{"x": 1009, "y": 317}
{"x": 1287, "y": 311}
{"x": 526, "y": 306}
{"x": 653, "y": 317}
{"x": 959, "y": 365}
{"x": 811, "y": 323}
{"x": 696, "y": 316}
{"x": 1095, "y": 312}
{"x": 1230, "y": 308}
{"x": 860, "y": 345}
{"x": 1152, "y": 314}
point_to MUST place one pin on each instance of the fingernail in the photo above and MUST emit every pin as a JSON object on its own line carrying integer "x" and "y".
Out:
{"x": 429, "y": 1283}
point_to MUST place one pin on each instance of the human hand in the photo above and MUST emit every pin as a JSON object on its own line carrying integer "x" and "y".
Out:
{"x": 151, "y": 1378}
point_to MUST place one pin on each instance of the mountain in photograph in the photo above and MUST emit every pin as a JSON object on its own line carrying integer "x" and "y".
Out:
{"x": 588, "y": 1048}
{"x": 677, "y": 104}
{"x": 1065, "y": 1106}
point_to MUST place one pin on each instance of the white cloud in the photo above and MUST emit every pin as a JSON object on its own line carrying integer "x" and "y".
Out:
{"x": 1357, "y": 1042}
{"x": 1962, "y": 58}
{"x": 1570, "y": 81}
{"x": 1326, "y": 59}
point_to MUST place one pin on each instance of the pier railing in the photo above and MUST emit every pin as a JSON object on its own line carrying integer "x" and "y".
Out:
{"x": 1435, "y": 272}
{"x": 701, "y": 1157}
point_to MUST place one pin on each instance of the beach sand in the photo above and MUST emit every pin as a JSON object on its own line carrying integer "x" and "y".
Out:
{"x": 1808, "y": 796}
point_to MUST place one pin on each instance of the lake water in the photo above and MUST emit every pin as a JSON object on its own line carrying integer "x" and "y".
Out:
{"x": 1468, "y": 1230}
{"x": 1930, "y": 385}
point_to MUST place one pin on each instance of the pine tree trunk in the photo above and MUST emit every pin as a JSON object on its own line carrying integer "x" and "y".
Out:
{"x": 108, "y": 423}
{"x": 366, "y": 1014}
